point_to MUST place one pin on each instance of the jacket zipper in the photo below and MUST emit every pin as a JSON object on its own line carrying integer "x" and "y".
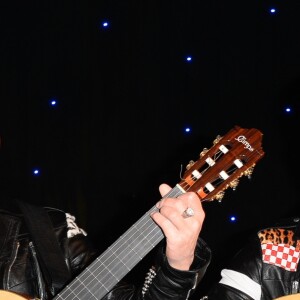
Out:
{"x": 38, "y": 271}
{"x": 295, "y": 287}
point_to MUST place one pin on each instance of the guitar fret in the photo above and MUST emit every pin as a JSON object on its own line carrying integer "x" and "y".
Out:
{"x": 86, "y": 293}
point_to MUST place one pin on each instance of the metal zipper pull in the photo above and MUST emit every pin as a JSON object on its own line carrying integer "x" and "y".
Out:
{"x": 295, "y": 287}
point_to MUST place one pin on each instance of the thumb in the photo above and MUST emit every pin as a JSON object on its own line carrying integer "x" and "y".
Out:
{"x": 164, "y": 189}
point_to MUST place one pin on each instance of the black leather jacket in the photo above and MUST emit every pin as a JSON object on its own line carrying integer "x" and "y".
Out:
{"x": 20, "y": 270}
{"x": 265, "y": 270}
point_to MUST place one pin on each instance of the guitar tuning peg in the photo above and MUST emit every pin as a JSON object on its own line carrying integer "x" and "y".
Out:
{"x": 249, "y": 172}
{"x": 234, "y": 183}
{"x": 190, "y": 164}
{"x": 219, "y": 196}
{"x": 217, "y": 139}
{"x": 203, "y": 152}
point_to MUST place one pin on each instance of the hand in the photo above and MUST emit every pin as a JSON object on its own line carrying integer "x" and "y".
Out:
{"x": 181, "y": 233}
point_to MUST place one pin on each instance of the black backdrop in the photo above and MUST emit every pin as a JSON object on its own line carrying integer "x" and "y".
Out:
{"x": 125, "y": 94}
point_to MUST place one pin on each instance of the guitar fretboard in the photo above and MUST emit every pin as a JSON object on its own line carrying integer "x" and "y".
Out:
{"x": 119, "y": 259}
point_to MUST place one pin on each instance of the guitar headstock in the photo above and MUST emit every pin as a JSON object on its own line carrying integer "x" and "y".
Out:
{"x": 232, "y": 156}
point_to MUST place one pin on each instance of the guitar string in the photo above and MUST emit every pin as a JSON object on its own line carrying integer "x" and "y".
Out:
{"x": 176, "y": 190}
{"x": 114, "y": 248}
{"x": 146, "y": 223}
{"x": 91, "y": 269}
{"x": 114, "y": 258}
{"x": 116, "y": 244}
{"x": 104, "y": 278}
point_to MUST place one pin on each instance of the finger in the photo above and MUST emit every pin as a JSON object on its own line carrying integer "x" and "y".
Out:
{"x": 190, "y": 199}
{"x": 164, "y": 189}
{"x": 181, "y": 203}
{"x": 164, "y": 220}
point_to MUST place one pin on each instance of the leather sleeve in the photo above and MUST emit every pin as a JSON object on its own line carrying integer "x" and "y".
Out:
{"x": 164, "y": 282}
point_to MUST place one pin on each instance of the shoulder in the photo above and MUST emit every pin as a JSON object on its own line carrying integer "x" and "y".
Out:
{"x": 61, "y": 218}
{"x": 284, "y": 232}
{"x": 280, "y": 245}
{"x": 9, "y": 223}
{"x": 57, "y": 216}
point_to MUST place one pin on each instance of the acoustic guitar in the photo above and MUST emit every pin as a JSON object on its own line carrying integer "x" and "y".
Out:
{"x": 231, "y": 156}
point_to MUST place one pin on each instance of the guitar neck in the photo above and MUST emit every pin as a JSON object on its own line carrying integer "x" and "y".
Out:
{"x": 118, "y": 260}
{"x": 232, "y": 156}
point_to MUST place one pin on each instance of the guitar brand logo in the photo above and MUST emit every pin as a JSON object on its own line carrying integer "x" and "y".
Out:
{"x": 242, "y": 139}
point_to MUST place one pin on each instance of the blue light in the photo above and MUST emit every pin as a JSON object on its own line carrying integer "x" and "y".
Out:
{"x": 53, "y": 102}
{"x": 36, "y": 172}
{"x": 189, "y": 58}
{"x": 187, "y": 129}
{"x": 105, "y": 24}
{"x": 288, "y": 109}
{"x": 272, "y": 10}
{"x": 232, "y": 219}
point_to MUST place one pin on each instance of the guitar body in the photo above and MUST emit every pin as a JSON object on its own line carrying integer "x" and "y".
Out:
{"x": 6, "y": 295}
{"x": 13, "y": 296}
{"x": 289, "y": 297}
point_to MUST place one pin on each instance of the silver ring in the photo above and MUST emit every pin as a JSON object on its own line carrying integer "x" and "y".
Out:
{"x": 189, "y": 212}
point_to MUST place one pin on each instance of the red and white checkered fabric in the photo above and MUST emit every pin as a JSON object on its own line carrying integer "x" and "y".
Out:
{"x": 281, "y": 255}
